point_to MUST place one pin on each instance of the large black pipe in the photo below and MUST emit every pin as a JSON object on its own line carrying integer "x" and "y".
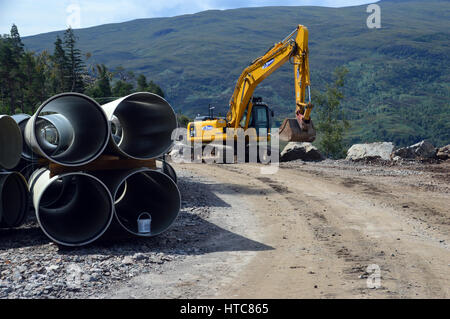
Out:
{"x": 70, "y": 129}
{"x": 140, "y": 193}
{"x": 143, "y": 124}
{"x": 73, "y": 209}
{"x": 27, "y": 153}
{"x": 10, "y": 142}
{"x": 14, "y": 199}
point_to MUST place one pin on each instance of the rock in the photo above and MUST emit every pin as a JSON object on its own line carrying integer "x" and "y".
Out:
{"x": 379, "y": 150}
{"x": 89, "y": 278}
{"x": 424, "y": 150}
{"x": 127, "y": 261}
{"x": 96, "y": 270}
{"x": 167, "y": 258}
{"x": 139, "y": 256}
{"x": 7, "y": 290}
{"x": 303, "y": 151}
{"x": 22, "y": 269}
{"x": 443, "y": 153}
{"x": 51, "y": 268}
{"x": 17, "y": 276}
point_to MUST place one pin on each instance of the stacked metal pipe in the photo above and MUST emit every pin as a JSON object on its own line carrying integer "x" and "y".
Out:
{"x": 72, "y": 130}
{"x": 13, "y": 186}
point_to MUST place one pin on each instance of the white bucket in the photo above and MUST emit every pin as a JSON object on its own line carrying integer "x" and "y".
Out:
{"x": 144, "y": 225}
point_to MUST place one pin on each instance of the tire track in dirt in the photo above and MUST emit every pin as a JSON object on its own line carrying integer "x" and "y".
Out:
{"x": 405, "y": 272}
{"x": 318, "y": 228}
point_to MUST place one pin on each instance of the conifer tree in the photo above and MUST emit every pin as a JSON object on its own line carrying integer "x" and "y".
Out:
{"x": 75, "y": 62}
{"x": 60, "y": 76}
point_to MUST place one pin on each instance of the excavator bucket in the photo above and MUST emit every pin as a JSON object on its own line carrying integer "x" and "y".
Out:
{"x": 296, "y": 130}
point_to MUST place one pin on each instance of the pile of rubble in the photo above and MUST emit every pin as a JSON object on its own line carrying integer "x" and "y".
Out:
{"x": 370, "y": 152}
{"x": 303, "y": 151}
{"x": 386, "y": 151}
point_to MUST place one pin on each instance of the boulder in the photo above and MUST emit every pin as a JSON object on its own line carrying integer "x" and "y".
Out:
{"x": 371, "y": 151}
{"x": 303, "y": 151}
{"x": 421, "y": 150}
{"x": 443, "y": 153}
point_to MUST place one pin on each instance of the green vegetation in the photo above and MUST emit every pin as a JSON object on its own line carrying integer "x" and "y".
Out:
{"x": 397, "y": 88}
{"x": 28, "y": 79}
{"x": 183, "y": 120}
{"x": 331, "y": 123}
{"x": 73, "y": 62}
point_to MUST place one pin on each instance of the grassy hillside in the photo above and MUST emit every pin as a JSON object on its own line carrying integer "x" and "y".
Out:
{"x": 398, "y": 87}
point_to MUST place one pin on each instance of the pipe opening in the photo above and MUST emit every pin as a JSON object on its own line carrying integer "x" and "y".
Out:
{"x": 75, "y": 209}
{"x": 116, "y": 130}
{"x": 143, "y": 124}
{"x": 55, "y": 134}
{"x": 10, "y": 142}
{"x": 147, "y": 192}
{"x": 13, "y": 199}
{"x": 69, "y": 129}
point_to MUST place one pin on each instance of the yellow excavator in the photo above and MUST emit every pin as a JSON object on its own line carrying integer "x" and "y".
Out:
{"x": 247, "y": 111}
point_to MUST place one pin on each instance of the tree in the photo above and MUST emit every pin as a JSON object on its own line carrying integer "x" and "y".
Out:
{"x": 331, "y": 123}
{"x": 60, "y": 78}
{"x": 122, "y": 88}
{"x": 16, "y": 41}
{"x": 101, "y": 88}
{"x": 30, "y": 82}
{"x": 103, "y": 82}
{"x": 27, "y": 79}
{"x": 75, "y": 62}
{"x": 183, "y": 120}
{"x": 43, "y": 75}
{"x": 141, "y": 83}
{"x": 143, "y": 86}
{"x": 124, "y": 75}
{"x": 10, "y": 75}
{"x": 155, "y": 88}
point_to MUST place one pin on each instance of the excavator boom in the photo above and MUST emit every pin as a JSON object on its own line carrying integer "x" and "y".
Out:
{"x": 293, "y": 48}
{"x": 246, "y": 111}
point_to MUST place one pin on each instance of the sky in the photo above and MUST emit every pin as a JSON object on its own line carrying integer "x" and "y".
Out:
{"x": 40, "y": 16}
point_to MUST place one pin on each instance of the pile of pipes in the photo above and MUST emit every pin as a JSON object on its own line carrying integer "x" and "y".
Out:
{"x": 72, "y": 130}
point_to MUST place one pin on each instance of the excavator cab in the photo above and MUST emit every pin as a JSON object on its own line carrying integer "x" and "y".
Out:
{"x": 261, "y": 116}
{"x": 297, "y": 129}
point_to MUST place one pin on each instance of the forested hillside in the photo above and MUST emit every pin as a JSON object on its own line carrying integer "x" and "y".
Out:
{"x": 398, "y": 87}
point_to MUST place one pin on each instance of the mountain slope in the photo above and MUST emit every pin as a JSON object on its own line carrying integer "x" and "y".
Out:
{"x": 398, "y": 87}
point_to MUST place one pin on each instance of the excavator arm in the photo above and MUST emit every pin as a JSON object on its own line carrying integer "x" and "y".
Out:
{"x": 293, "y": 48}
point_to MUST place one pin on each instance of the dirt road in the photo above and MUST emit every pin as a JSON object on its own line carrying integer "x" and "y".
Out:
{"x": 311, "y": 231}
